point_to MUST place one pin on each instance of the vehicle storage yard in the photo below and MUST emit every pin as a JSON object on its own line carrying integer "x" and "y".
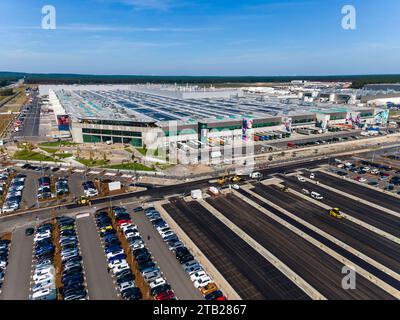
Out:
{"x": 261, "y": 241}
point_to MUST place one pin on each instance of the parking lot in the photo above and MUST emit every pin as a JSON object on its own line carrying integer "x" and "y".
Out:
{"x": 17, "y": 279}
{"x": 374, "y": 174}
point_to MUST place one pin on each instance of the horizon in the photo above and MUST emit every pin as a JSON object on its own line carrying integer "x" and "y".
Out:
{"x": 255, "y": 38}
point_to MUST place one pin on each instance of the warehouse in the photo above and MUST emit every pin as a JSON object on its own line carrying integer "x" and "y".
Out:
{"x": 143, "y": 115}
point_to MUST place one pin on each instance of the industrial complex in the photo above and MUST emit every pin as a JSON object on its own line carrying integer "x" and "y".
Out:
{"x": 144, "y": 115}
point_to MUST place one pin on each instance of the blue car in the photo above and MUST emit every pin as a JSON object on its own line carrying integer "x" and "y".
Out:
{"x": 112, "y": 248}
{"x": 117, "y": 257}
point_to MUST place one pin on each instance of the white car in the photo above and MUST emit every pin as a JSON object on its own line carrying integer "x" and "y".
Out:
{"x": 235, "y": 186}
{"x": 312, "y": 176}
{"x": 116, "y": 263}
{"x": 158, "y": 282}
{"x": 193, "y": 270}
{"x": 150, "y": 271}
{"x": 40, "y": 237}
{"x": 126, "y": 285}
{"x": 162, "y": 229}
{"x": 115, "y": 253}
{"x": 132, "y": 233}
{"x": 362, "y": 179}
{"x": 3, "y": 264}
{"x": 167, "y": 234}
{"x": 316, "y": 195}
{"x": 43, "y": 277}
{"x": 301, "y": 179}
{"x": 198, "y": 275}
{"x": 149, "y": 277}
{"x": 202, "y": 282}
{"x": 138, "y": 246}
{"x": 120, "y": 268}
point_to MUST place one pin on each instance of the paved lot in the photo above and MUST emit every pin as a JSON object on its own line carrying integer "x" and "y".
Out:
{"x": 30, "y": 127}
{"x": 380, "y": 198}
{"x": 16, "y": 284}
{"x": 367, "y": 242}
{"x": 172, "y": 270}
{"x": 99, "y": 281}
{"x": 252, "y": 276}
{"x": 377, "y": 218}
{"x": 316, "y": 267}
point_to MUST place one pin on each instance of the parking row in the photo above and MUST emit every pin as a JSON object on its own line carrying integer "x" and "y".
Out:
{"x": 4, "y": 252}
{"x": 117, "y": 257}
{"x": 12, "y": 201}
{"x": 201, "y": 280}
{"x": 160, "y": 289}
{"x": 376, "y": 175}
{"x": 44, "y": 275}
{"x": 72, "y": 274}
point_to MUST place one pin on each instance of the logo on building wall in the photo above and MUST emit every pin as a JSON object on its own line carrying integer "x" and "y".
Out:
{"x": 382, "y": 117}
{"x": 247, "y": 128}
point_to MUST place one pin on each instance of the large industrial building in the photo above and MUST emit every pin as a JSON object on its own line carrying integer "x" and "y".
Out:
{"x": 145, "y": 114}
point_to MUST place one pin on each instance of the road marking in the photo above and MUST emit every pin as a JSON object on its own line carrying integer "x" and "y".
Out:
{"x": 371, "y": 204}
{"x": 82, "y": 215}
{"x": 289, "y": 273}
{"x": 199, "y": 255}
{"x": 383, "y": 285}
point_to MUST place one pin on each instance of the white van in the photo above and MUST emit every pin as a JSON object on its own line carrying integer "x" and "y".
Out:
{"x": 45, "y": 294}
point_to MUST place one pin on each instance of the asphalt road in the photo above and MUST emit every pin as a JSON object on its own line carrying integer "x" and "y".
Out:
{"x": 377, "y": 218}
{"x": 171, "y": 268}
{"x": 354, "y": 189}
{"x": 250, "y": 274}
{"x": 99, "y": 281}
{"x": 316, "y": 267}
{"x": 367, "y": 242}
{"x": 30, "y": 126}
{"x": 16, "y": 284}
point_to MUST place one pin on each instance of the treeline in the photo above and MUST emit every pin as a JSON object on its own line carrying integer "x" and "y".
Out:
{"x": 358, "y": 81}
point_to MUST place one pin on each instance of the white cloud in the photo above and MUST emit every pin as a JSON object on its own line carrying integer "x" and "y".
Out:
{"x": 150, "y": 4}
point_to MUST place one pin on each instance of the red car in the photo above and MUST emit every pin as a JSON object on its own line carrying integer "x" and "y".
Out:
{"x": 167, "y": 295}
{"x": 124, "y": 221}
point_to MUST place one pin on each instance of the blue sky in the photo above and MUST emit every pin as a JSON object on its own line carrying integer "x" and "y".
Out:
{"x": 203, "y": 37}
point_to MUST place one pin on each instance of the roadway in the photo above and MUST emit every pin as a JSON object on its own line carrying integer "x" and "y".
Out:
{"x": 357, "y": 190}
{"x": 365, "y": 241}
{"x": 375, "y": 217}
{"x": 30, "y": 126}
{"x": 315, "y": 266}
{"x": 16, "y": 284}
{"x": 152, "y": 194}
{"x": 249, "y": 274}
{"x": 171, "y": 268}
{"x": 99, "y": 282}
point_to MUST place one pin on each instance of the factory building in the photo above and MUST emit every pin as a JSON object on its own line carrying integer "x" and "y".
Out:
{"x": 144, "y": 115}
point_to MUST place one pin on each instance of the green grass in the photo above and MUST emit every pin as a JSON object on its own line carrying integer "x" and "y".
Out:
{"x": 157, "y": 153}
{"x": 92, "y": 163}
{"x": 142, "y": 151}
{"x": 130, "y": 166}
{"x": 50, "y": 150}
{"x": 31, "y": 155}
{"x": 63, "y": 155}
{"x": 57, "y": 143}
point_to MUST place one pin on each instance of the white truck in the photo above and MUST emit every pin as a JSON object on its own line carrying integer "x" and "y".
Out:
{"x": 255, "y": 175}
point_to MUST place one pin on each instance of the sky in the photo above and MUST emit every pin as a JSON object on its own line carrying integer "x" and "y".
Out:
{"x": 200, "y": 37}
